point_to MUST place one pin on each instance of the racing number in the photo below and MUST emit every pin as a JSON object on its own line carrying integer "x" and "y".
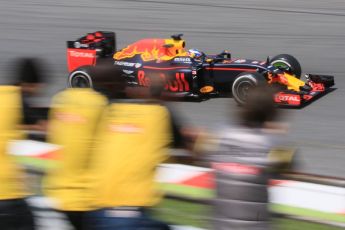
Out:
{"x": 178, "y": 84}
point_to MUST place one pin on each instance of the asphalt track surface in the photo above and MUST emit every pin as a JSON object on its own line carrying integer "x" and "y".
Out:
{"x": 312, "y": 31}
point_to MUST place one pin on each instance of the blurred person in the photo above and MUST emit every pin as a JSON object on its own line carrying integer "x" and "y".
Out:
{"x": 181, "y": 132}
{"x": 14, "y": 211}
{"x": 243, "y": 158}
{"x": 133, "y": 139}
{"x": 73, "y": 118}
{"x": 29, "y": 78}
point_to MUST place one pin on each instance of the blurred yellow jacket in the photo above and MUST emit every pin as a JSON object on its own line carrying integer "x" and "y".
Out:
{"x": 11, "y": 176}
{"x": 131, "y": 142}
{"x": 72, "y": 123}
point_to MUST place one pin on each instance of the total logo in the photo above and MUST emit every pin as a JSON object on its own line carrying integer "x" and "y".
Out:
{"x": 294, "y": 98}
{"x": 81, "y": 54}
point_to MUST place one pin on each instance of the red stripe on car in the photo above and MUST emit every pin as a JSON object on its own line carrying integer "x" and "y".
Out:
{"x": 228, "y": 69}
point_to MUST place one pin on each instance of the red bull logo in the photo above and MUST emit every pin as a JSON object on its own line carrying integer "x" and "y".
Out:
{"x": 178, "y": 84}
{"x": 152, "y": 49}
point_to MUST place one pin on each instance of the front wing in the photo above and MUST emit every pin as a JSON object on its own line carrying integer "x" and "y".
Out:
{"x": 320, "y": 84}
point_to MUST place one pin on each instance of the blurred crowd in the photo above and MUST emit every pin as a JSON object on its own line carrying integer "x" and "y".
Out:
{"x": 114, "y": 137}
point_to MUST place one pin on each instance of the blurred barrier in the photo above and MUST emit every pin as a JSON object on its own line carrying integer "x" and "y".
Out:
{"x": 296, "y": 196}
{"x": 309, "y": 220}
{"x": 317, "y": 179}
{"x": 274, "y": 214}
{"x": 288, "y": 196}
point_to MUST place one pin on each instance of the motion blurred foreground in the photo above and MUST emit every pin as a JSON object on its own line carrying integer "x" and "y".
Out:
{"x": 119, "y": 141}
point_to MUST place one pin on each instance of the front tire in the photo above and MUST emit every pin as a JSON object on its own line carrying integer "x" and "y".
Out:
{"x": 287, "y": 63}
{"x": 244, "y": 83}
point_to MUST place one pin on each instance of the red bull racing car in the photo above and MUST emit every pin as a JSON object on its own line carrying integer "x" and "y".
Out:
{"x": 191, "y": 73}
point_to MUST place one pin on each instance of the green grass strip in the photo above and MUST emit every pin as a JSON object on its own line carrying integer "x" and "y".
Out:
{"x": 285, "y": 224}
{"x": 202, "y": 193}
{"x": 40, "y": 164}
{"x": 183, "y": 213}
{"x": 199, "y": 215}
{"x": 189, "y": 191}
{"x": 307, "y": 213}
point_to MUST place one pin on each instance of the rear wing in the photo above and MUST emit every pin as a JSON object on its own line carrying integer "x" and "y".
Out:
{"x": 88, "y": 49}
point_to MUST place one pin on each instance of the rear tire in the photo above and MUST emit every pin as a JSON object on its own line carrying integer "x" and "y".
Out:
{"x": 244, "y": 83}
{"x": 80, "y": 79}
{"x": 287, "y": 63}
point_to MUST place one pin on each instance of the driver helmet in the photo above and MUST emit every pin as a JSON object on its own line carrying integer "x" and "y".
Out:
{"x": 194, "y": 53}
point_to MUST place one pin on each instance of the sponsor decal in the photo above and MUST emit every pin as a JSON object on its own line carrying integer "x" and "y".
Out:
{"x": 127, "y": 71}
{"x": 206, "y": 89}
{"x": 290, "y": 98}
{"x": 317, "y": 86}
{"x": 183, "y": 59}
{"x": 80, "y": 54}
{"x": 255, "y": 62}
{"x": 80, "y": 45}
{"x": 240, "y": 61}
{"x": 137, "y": 65}
{"x": 124, "y": 63}
{"x": 177, "y": 84}
{"x": 307, "y": 97}
{"x": 80, "y": 57}
{"x": 194, "y": 72}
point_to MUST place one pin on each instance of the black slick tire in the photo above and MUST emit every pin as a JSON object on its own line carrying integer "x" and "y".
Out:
{"x": 80, "y": 78}
{"x": 287, "y": 63}
{"x": 243, "y": 83}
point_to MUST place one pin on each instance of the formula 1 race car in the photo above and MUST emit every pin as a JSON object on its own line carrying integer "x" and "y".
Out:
{"x": 192, "y": 74}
